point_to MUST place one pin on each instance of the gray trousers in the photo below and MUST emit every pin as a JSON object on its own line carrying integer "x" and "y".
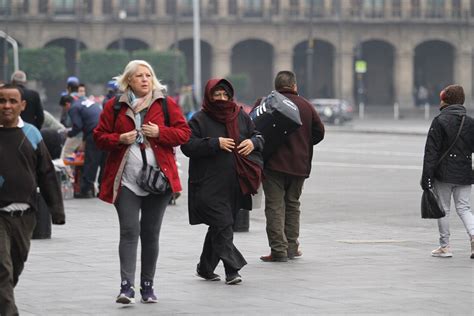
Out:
{"x": 147, "y": 227}
{"x": 282, "y": 211}
{"x": 462, "y": 201}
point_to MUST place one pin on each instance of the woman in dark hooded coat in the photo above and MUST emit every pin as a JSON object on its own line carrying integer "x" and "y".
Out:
{"x": 225, "y": 167}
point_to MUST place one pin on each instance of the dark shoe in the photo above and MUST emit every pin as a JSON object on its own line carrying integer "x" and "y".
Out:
{"x": 146, "y": 290}
{"x": 87, "y": 195}
{"x": 127, "y": 293}
{"x": 233, "y": 279}
{"x": 207, "y": 276}
{"x": 270, "y": 258}
{"x": 294, "y": 255}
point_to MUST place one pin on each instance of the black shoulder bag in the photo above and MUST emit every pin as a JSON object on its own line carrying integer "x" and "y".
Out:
{"x": 429, "y": 200}
{"x": 152, "y": 179}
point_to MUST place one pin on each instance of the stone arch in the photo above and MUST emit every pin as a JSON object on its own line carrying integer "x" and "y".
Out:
{"x": 434, "y": 67}
{"x": 378, "y": 81}
{"x": 69, "y": 45}
{"x": 129, "y": 44}
{"x": 186, "y": 46}
{"x": 253, "y": 58}
{"x": 322, "y": 69}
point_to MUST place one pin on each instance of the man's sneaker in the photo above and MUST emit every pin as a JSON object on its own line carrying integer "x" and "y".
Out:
{"x": 233, "y": 279}
{"x": 444, "y": 252}
{"x": 127, "y": 293}
{"x": 146, "y": 290}
{"x": 207, "y": 276}
{"x": 472, "y": 248}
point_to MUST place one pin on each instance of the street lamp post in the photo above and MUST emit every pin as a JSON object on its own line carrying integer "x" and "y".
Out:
{"x": 176, "y": 51}
{"x": 77, "y": 55}
{"x": 197, "y": 50}
{"x": 310, "y": 53}
{"x": 5, "y": 43}
{"x": 122, "y": 15}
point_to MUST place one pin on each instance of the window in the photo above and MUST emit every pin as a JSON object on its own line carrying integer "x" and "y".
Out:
{"x": 396, "y": 8}
{"x": 415, "y": 9}
{"x": 233, "y": 7}
{"x": 107, "y": 7}
{"x": 336, "y": 8}
{"x": 435, "y": 8}
{"x": 87, "y": 9}
{"x": 294, "y": 8}
{"x": 356, "y": 8}
{"x": 171, "y": 7}
{"x": 213, "y": 8}
{"x": 150, "y": 7}
{"x": 456, "y": 13}
{"x": 374, "y": 8}
{"x": 131, "y": 7}
{"x": 64, "y": 7}
{"x": 275, "y": 7}
{"x": 5, "y": 7}
{"x": 252, "y": 8}
{"x": 186, "y": 7}
{"x": 315, "y": 8}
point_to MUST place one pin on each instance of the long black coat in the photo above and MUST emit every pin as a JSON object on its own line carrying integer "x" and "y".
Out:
{"x": 213, "y": 187}
{"x": 456, "y": 166}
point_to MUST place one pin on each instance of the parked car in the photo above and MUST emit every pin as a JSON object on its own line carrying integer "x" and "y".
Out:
{"x": 333, "y": 111}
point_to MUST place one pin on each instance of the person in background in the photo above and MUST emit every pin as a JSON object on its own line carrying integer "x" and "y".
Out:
{"x": 225, "y": 167}
{"x": 81, "y": 90}
{"x": 33, "y": 112}
{"x": 84, "y": 114}
{"x": 284, "y": 175}
{"x": 139, "y": 125}
{"x": 112, "y": 91}
{"x": 452, "y": 176}
{"x": 26, "y": 166}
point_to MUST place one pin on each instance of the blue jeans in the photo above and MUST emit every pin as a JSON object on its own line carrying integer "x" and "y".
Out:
{"x": 462, "y": 201}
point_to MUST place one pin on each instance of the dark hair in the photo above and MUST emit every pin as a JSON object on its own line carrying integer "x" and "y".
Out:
{"x": 65, "y": 99}
{"x": 285, "y": 79}
{"x": 13, "y": 86}
{"x": 73, "y": 86}
{"x": 82, "y": 85}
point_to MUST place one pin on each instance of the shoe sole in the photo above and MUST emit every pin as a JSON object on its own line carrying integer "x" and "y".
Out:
{"x": 125, "y": 300}
{"x": 449, "y": 255}
{"x": 217, "y": 278}
{"x": 152, "y": 301}
{"x": 236, "y": 280}
{"x": 275, "y": 260}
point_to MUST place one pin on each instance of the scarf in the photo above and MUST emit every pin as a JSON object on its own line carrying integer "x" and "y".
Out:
{"x": 138, "y": 105}
{"x": 226, "y": 112}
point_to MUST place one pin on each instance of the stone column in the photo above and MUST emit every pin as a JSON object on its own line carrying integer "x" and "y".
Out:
{"x": 97, "y": 9}
{"x": 405, "y": 8}
{"x": 463, "y": 69}
{"x": 345, "y": 73}
{"x": 346, "y": 8}
{"x": 160, "y": 8}
{"x": 223, "y": 7}
{"x": 283, "y": 60}
{"x": 404, "y": 73}
{"x": 33, "y": 8}
{"x": 222, "y": 60}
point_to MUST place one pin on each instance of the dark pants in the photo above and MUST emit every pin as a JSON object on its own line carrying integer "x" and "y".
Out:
{"x": 147, "y": 228}
{"x": 15, "y": 236}
{"x": 219, "y": 245}
{"x": 92, "y": 162}
{"x": 282, "y": 211}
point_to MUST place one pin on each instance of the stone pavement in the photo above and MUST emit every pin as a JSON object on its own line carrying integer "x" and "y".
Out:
{"x": 353, "y": 266}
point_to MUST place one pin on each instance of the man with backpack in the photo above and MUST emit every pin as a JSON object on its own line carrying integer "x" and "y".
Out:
{"x": 285, "y": 172}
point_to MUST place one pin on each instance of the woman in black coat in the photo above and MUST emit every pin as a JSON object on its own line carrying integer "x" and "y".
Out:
{"x": 225, "y": 168}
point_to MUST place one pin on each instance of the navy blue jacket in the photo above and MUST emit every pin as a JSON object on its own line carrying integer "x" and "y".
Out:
{"x": 84, "y": 115}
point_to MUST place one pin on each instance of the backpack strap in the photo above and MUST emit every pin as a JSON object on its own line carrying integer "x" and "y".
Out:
{"x": 117, "y": 107}
{"x": 164, "y": 106}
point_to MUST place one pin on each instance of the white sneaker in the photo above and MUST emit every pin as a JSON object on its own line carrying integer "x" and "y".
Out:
{"x": 443, "y": 252}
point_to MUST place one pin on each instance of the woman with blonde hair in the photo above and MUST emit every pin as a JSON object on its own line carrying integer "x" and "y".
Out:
{"x": 137, "y": 130}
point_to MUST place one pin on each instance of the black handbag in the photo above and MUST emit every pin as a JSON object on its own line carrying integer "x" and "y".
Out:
{"x": 429, "y": 205}
{"x": 152, "y": 179}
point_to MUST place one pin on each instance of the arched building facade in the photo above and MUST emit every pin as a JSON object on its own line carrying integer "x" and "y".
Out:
{"x": 405, "y": 43}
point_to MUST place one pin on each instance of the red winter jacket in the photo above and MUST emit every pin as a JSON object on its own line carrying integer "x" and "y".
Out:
{"x": 107, "y": 139}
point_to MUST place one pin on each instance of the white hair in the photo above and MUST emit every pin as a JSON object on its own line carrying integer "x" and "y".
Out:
{"x": 130, "y": 69}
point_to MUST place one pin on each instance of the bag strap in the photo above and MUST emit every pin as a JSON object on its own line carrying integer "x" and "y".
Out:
{"x": 454, "y": 142}
{"x": 164, "y": 106}
{"x": 117, "y": 107}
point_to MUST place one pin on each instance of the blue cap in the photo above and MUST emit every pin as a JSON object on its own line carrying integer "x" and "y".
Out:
{"x": 72, "y": 79}
{"x": 112, "y": 85}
